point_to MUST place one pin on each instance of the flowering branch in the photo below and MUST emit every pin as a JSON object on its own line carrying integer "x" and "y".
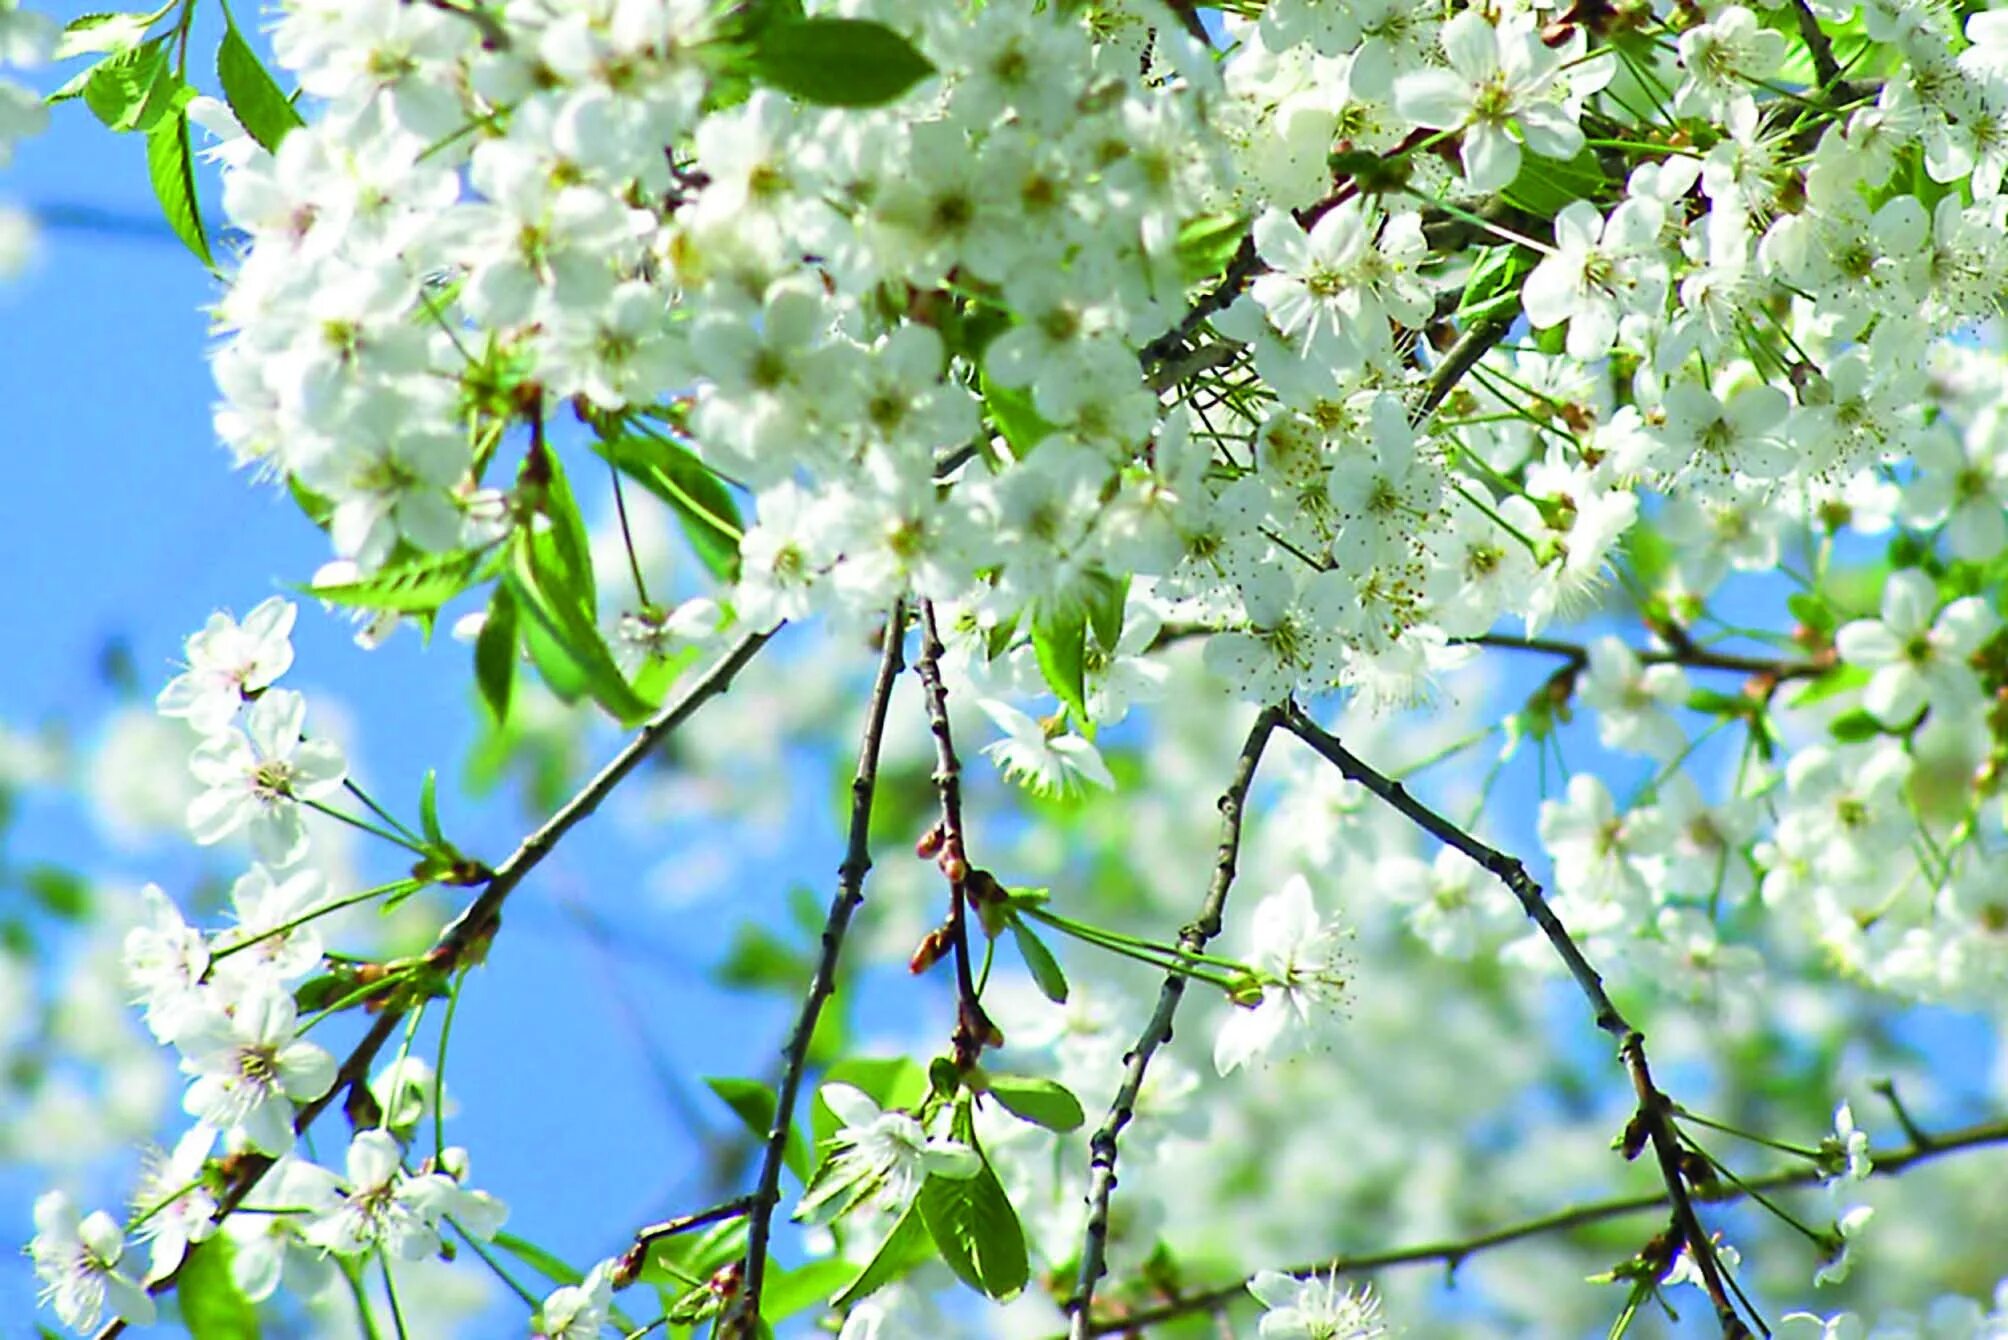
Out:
{"x": 850, "y": 894}
{"x": 1653, "y": 1122}
{"x": 1191, "y": 940}
{"x": 466, "y": 938}
{"x": 1885, "y": 1163}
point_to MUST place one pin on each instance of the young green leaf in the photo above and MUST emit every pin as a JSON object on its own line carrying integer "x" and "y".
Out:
{"x": 838, "y": 62}
{"x": 1107, "y": 598}
{"x": 495, "y": 652}
{"x": 1039, "y": 961}
{"x": 428, "y": 808}
{"x": 788, "y": 1292}
{"x": 1059, "y": 639}
{"x": 904, "y": 1248}
{"x": 976, "y": 1231}
{"x": 539, "y": 1260}
{"x": 133, "y": 89}
{"x": 419, "y": 583}
{"x": 1011, "y": 409}
{"x": 561, "y": 633}
{"x": 702, "y": 503}
{"x": 103, "y": 32}
{"x": 170, "y": 164}
{"x": 212, "y": 1306}
{"x": 1206, "y": 244}
{"x": 1043, "y": 1102}
{"x": 753, "y": 1102}
{"x": 258, "y": 101}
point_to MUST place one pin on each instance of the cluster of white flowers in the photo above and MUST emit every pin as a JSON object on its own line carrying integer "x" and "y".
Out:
{"x": 979, "y": 345}
{"x": 224, "y": 1002}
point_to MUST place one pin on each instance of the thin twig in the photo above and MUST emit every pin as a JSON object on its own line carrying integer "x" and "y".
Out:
{"x": 467, "y": 936}
{"x": 1654, "y": 1120}
{"x": 972, "y": 1025}
{"x": 1886, "y": 1163}
{"x": 644, "y": 1238}
{"x": 1193, "y": 939}
{"x": 850, "y": 893}
{"x": 1687, "y": 653}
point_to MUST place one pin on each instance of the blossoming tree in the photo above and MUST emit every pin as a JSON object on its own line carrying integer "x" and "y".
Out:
{"x": 1147, "y": 411}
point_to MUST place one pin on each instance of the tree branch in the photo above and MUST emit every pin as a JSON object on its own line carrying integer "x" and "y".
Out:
{"x": 1654, "y": 1120}
{"x": 466, "y": 938}
{"x": 972, "y": 1025}
{"x": 1191, "y": 940}
{"x": 1887, "y": 1163}
{"x": 766, "y": 1195}
{"x": 1684, "y": 652}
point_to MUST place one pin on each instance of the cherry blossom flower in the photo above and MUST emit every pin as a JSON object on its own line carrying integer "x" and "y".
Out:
{"x": 250, "y": 1067}
{"x": 1299, "y": 966}
{"x": 1917, "y": 652}
{"x": 77, "y": 1258}
{"x": 258, "y": 778}
{"x": 882, "y": 1157}
{"x": 1315, "y": 1309}
{"x": 229, "y": 662}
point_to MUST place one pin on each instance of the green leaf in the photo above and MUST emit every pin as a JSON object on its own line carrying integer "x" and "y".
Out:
{"x": 1718, "y": 704}
{"x": 171, "y": 166}
{"x": 212, "y": 1308}
{"x": 1206, "y": 244}
{"x": 258, "y": 101}
{"x": 103, "y": 32}
{"x": 495, "y": 652}
{"x": 1837, "y": 681}
{"x": 1043, "y": 1102}
{"x": 569, "y": 543}
{"x": 62, "y": 892}
{"x": 1811, "y": 611}
{"x": 417, "y": 584}
{"x": 1059, "y": 639}
{"x": 976, "y": 1231}
{"x": 133, "y": 89}
{"x": 1546, "y": 186}
{"x": 838, "y": 62}
{"x": 539, "y": 1260}
{"x": 702, "y": 503}
{"x": 1107, "y": 598}
{"x": 754, "y": 1104}
{"x": 428, "y": 808}
{"x": 1011, "y": 410}
{"x": 1039, "y": 961}
{"x": 904, "y": 1248}
{"x": 788, "y": 1292}
{"x": 561, "y": 633}
{"x": 1494, "y": 281}
{"x": 1854, "y": 727}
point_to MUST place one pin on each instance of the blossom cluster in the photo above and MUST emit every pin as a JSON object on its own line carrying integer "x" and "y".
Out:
{"x": 225, "y": 1002}
{"x": 1346, "y": 335}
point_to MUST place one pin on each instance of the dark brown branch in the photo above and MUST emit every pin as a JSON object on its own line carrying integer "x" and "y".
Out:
{"x": 744, "y": 1318}
{"x": 1887, "y": 1163}
{"x": 637, "y": 1256}
{"x": 972, "y": 1025}
{"x": 1654, "y": 1120}
{"x": 466, "y": 938}
{"x": 1826, "y": 70}
{"x": 1684, "y": 651}
{"x": 1193, "y": 939}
